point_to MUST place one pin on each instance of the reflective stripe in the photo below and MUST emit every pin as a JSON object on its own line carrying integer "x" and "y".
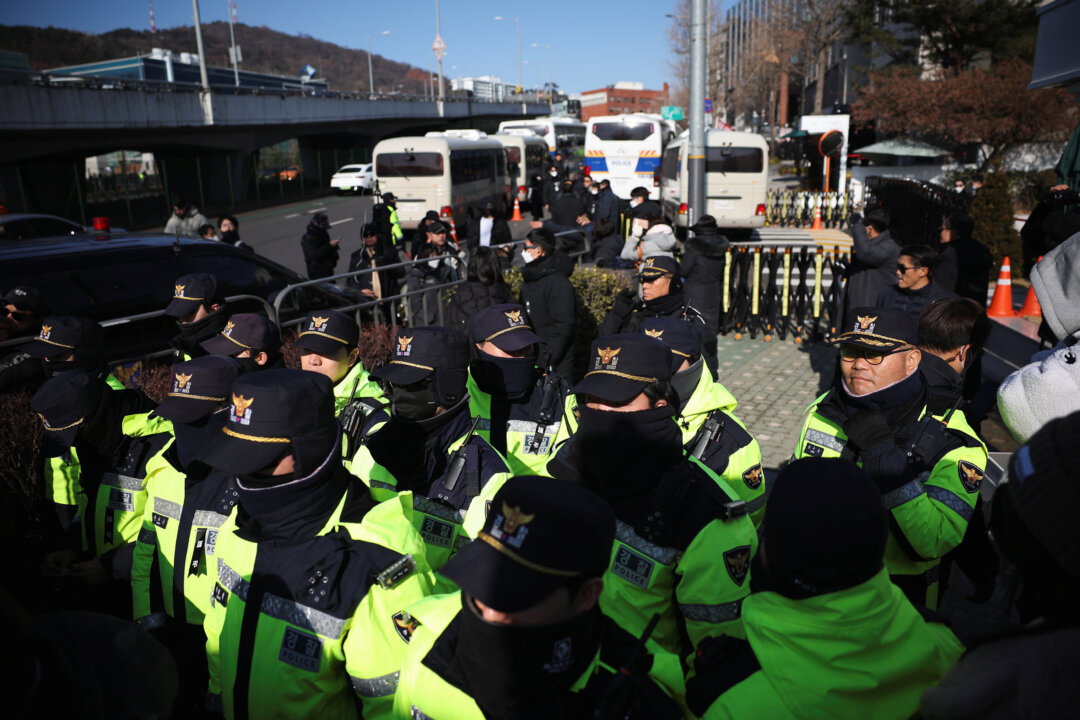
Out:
{"x": 231, "y": 580}
{"x": 824, "y": 439}
{"x": 152, "y": 622}
{"x": 302, "y": 616}
{"x": 380, "y": 485}
{"x": 904, "y": 493}
{"x": 147, "y": 537}
{"x": 724, "y": 612}
{"x": 168, "y": 508}
{"x": 208, "y": 518}
{"x": 529, "y": 427}
{"x": 756, "y": 504}
{"x": 121, "y": 481}
{"x": 951, "y": 500}
{"x": 438, "y": 509}
{"x": 627, "y": 535}
{"x": 375, "y": 687}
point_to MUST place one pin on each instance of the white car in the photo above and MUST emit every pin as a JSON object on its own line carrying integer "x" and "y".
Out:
{"x": 351, "y": 178}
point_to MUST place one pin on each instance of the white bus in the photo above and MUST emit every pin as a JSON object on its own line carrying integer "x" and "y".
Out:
{"x": 525, "y": 157}
{"x": 447, "y": 173}
{"x": 626, "y": 149}
{"x": 736, "y": 179}
{"x": 560, "y": 133}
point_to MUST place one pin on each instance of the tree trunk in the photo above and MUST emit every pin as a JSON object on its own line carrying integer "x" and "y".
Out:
{"x": 819, "y": 82}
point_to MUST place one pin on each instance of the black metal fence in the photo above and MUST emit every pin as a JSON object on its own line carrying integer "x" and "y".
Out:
{"x": 916, "y": 208}
{"x": 797, "y": 208}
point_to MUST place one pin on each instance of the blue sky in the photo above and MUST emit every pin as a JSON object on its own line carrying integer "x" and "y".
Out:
{"x": 593, "y": 43}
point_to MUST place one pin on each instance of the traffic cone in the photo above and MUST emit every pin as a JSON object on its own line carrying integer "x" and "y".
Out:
{"x": 1031, "y": 303}
{"x": 453, "y": 230}
{"x": 517, "y": 211}
{"x": 1001, "y": 305}
{"x": 817, "y": 218}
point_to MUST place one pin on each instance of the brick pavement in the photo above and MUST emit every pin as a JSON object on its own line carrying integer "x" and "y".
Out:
{"x": 774, "y": 382}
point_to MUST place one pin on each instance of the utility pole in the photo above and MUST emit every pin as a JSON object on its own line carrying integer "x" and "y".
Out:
{"x": 439, "y": 47}
{"x": 550, "y": 87}
{"x": 370, "y": 76}
{"x": 696, "y": 154}
{"x": 198, "y": 40}
{"x": 231, "y": 7}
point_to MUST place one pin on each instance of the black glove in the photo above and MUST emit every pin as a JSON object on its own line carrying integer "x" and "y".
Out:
{"x": 868, "y": 432}
{"x": 624, "y": 302}
{"x": 867, "y": 428}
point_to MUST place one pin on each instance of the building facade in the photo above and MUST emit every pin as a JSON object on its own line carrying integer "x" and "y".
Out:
{"x": 622, "y": 98}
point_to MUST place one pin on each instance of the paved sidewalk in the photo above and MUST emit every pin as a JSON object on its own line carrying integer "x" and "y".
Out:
{"x": 774, "y": 383}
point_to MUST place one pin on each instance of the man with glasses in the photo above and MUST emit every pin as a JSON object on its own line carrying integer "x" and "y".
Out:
{"x": 915, "y": 286}
{"x": 928, "y": 466}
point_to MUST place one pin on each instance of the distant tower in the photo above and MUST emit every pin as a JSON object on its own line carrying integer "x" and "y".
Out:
{"x": 153, "y": 25}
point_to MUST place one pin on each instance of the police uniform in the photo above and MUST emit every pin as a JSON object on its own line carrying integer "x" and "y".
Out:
{"x": 396, "y": 233}
{"x": 115, "y": 439}
{"x": 521, "y": 406}
{"x": 541, "y": 534}
{"x": 711, "y": 432}
{"x": 452, "y": 471}
{"x": 301, "y": 612}
{"x": 189, "y": 293}
{"x": 828, "y": 635}
{"x": 683, "y": 539}
{"x": 928, "y": 467}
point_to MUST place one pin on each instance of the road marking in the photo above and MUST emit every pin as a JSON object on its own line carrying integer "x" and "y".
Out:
{"x": 315, "y": 210}
{"x": 292, "y": 215}
{"x": 343, "y": 220}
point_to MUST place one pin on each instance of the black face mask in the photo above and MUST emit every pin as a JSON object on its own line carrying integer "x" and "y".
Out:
{"x": 686, "y": 381}
{"x": 230, "y": 236}
{"x": 192, "y": 437}
{"x": 625, "y": 451}
{"x": 198, "y": 328}
{"x": 522, "y": 672}
{"x": 247, "y": 364}
{"x": 414, "y": 402}
{"x": 507, "y": 377}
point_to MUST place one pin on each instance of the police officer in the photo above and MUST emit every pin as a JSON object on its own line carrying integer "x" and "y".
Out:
{"x": 661, "y": 296}
{"x": 525, "y": 636}
{"x": 710, "y": 431}
{"x": 820, "y": 585}
{"x": 431, "y": 445}
{"x": 328, "y": 346}
{"x": 200, "y": 311}
{"x": 301, "y": 613}
{"x": 928, "y": 466}
{"x": 520, "y": 404}
{"x": 186, "y": 505}
{"x": 396, "y": 234}
{"x": 21, "y": 312}
{"x": 252, "y": 339}
{"x": 114, "y": 439}
{"x": 683, "y": 538}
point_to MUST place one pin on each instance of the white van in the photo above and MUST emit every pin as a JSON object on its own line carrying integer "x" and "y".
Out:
{"x": 526, "y": 154}
{"x": 736, "y": 179}
{"x": 449, "y": 173}
{"x": 626, "y": 149}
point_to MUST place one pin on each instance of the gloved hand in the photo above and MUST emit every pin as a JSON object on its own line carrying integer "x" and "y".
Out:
{"x": 867, "y": 428}
{"x": 624, "y": 302}
{"x": 869, "y": 433}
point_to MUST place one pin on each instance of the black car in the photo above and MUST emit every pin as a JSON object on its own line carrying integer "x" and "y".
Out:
{"x": 111, "y": 278}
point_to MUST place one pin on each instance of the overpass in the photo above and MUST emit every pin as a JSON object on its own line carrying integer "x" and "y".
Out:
{"x": 206, "y": 141}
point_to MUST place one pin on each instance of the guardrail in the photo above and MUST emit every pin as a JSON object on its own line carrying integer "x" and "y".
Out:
{"x": 796, "y": 208}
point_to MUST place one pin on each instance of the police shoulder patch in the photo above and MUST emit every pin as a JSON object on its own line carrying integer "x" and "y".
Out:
{"x": 753, "y": 476}
{"x": 737, "y": 562}
{"x": 971, "y": 475}
{"x": 405, "y": 624}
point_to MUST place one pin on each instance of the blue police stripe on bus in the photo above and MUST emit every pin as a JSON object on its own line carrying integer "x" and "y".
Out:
{"x": 596, "y": 164}
{"x": 647, "y": 164}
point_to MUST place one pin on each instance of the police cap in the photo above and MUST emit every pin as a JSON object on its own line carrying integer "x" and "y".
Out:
{"x": 190, "y": 292}
{"x": 421, "y": 351}
{"x": 244, "y": 331}
{"x": 682, "y": 337}
{"x": 507, "y": 326}
{"x": 199, "y": 387}
{"x": 61, "y": 335}
{"x": 63, "y": 404}
{"x": 622, "y": 366}
{"x": 325, "y": 332}
{"x": 540, "y": 534}
{"x": 436, "y": 227}
{"x": 881, "y": 329}
{"x": 27, "y": 299}
{"x": 658, "y": 266}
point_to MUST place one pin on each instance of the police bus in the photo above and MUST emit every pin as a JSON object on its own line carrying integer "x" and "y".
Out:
{"x": 448, "y": 172}
{"x": 626, "y": 149}
{"x": 736, "y": 179}
{"x": 525, "y": 156}
{"x": 561, "y": 133}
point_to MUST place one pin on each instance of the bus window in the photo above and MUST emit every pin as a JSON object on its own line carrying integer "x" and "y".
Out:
{"x": 473, "y": 165}
{"x": 569, "y": 137}
{"x": 669, "y": 168}
{"x": 733, "y": 160}
{"x": 424, "y": 164}
{"x": 617, "y": 131}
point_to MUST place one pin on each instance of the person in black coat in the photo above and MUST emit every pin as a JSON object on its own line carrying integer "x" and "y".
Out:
{"x": 963, "y": 263}
{"x": 487, "y": 229}
{"x": 484, "y": 286}
{"x": 566, "y": 208}
{"x": 550, "y": 187}
{"x": 607, "y": 204}
{"x": 320, "y": 252}
{"x": 873, "y": 261}
{"x": 641, "y": 206}
{"x": 549, "y": 299}
{"x": 375, "y": 253}
{"x": 702, "y": 268}
{"x": 915, "y": 288}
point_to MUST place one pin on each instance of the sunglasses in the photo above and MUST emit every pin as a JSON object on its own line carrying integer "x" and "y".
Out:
{"x": 905, "y": 268}
{"x": 850, "y": 353}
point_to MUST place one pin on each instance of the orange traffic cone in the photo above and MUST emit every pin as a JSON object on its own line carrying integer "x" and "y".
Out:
{"x": 517, "y": 211}
{"x": 453, "y": 230}
{"x": 817, "y": 219}
{"x": 1001, "y": 305}
{"x": 1031, "y": 303}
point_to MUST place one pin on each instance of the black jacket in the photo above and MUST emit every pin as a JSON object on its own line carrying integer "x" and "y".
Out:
{"x": 319, "y": 255}
{"x": 385, "y": 254}
{"x": 471, "y": 297}
{"x": 607, "y": 206}
{"x": 566, "y": 209}
{"x": 702, "y": 268}
{"x": 549, "y": 298}
{"x": 873, "y": 266}
{"x": 500, "y": 232}
{"x": 945, "y": 266}
{"x": 974, "y": 264}
{"x": 911, "y": 301}
{"x": 646, "y": 209}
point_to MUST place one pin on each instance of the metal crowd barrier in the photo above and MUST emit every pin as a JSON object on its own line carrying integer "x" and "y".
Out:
{"x": 782, "y": 291}
{"x": 797, "y": 208}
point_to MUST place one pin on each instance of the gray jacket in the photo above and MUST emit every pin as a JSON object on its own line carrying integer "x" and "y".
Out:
{"x": 872, "y": 269}
{"x": 657, "y": 240}
{"x": 187, "y": 225}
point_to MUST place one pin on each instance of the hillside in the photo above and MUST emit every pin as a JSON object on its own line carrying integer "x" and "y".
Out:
{"x": 264, "y": 50}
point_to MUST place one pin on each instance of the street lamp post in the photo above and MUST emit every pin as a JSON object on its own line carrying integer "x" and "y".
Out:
{"x": 521, "y": 84}
{"x": 550, "y": 87}
{"x": 370, "y": 75}
{"x": 439, "y": 48}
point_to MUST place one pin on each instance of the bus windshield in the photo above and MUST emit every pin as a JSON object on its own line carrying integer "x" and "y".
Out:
{"x": 614, "y": 131}
{"x": 423, "y": 164}
{"x": 733, "y": 160}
